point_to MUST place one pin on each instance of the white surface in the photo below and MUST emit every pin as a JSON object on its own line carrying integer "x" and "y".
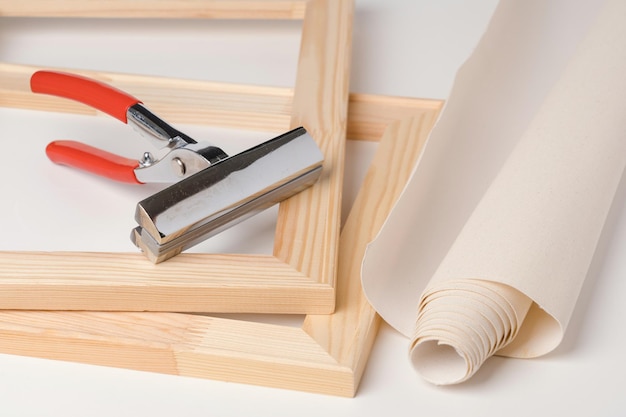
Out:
{"x": 409, "y": 48}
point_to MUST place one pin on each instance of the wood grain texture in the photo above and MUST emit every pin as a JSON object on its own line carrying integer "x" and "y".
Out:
{"x": 306, "y": 238}
{"x": 347, "y": 335}
{"x": 307, "y": 230}
{"x": 369, "y": 115}
{"x": 189, "y": 9}
{"x": 178, "y": 100}
{"x": 126, "y": 282}
{"x": 328, "y": 354}
{"x": 239, "y": 106}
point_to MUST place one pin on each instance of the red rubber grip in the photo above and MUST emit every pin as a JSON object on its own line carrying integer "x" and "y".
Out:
{"x": 94, "y": 160}
{"x": 85, "y": 90}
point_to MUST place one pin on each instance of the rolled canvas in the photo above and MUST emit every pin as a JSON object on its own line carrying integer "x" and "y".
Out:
{"x": 487, "y": 249}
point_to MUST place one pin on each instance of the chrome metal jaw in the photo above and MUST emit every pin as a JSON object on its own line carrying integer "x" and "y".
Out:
{"x": 225, "y": 194}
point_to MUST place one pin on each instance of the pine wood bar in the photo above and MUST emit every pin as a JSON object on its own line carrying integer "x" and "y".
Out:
{"x": 188, "y": 9}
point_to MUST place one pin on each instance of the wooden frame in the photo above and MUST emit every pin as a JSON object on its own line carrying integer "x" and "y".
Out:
{"x": 326, "y": 355}
{"x": 300, "y": 275}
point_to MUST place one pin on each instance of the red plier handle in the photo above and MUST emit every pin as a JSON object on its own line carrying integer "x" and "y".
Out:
{"x": 179, "y": 155}
{"x": 94, "y": 160}
{"x": 85, "y": 90}
{"x": 102, "y": 97}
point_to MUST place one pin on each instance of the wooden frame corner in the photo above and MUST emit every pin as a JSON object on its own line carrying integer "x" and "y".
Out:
{"x": 327, "y": 354}
{"x": 299, "y": 277}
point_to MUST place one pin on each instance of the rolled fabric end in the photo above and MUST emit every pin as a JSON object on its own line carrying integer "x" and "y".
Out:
{"x": 461, "y": 324}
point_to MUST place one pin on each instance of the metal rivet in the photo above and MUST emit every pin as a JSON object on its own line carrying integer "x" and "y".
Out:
{"x": 179, "y": 166}
{"x": 147, "y": 159}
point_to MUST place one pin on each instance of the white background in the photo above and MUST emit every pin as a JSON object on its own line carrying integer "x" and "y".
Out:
{"x": 404, "y": 48}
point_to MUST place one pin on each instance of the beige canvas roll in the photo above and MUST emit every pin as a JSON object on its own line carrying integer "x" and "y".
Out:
{"x": 509, "y": 281}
